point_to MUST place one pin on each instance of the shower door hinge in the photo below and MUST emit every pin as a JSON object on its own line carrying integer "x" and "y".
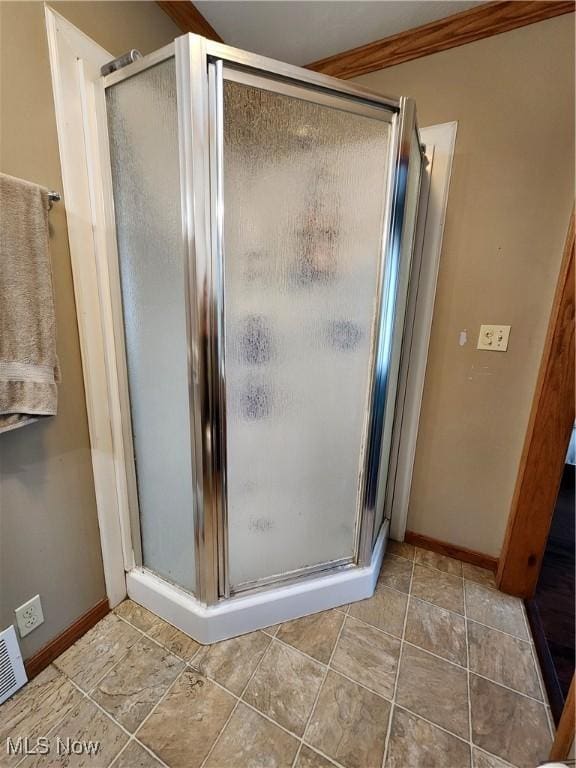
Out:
{"x": 121, "y": 61}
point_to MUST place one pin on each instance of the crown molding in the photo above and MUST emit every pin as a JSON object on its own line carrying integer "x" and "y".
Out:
{"x": 477, "y": 23}
{"x": 188, "y": 18}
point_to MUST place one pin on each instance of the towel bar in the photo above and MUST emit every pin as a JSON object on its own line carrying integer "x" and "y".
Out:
{"x": 53, "y": 197}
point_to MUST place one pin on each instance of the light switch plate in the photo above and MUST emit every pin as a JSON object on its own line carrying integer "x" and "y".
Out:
{"x": 494, "y": 338}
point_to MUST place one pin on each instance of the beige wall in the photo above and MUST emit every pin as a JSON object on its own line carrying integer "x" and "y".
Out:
{"x": 508, "y": 210}
{"x": 49, "y": 541}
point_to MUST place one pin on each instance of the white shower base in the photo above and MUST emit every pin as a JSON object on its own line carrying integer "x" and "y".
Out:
{"x": 238, "y": 615}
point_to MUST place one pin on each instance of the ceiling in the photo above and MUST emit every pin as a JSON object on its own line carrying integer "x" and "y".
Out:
{"x": 303, "y": 31}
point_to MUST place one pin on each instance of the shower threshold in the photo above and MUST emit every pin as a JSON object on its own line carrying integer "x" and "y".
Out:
{"x": 248, "y": 612}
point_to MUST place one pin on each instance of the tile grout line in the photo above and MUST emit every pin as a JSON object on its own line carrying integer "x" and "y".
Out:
{"x": 468, "y": 672}
{"x": 297, "y": 755}
{"x": 132, "y": 735}
{"x": 115, "y": 759}
{"x": 220, "y": 732}
{"x": 386, "y": 586}
{"x": 331, "y": 760}
{"x": 88, "y": 695}
{"x": 115, "y": 721}
{"x": 327, "y": 667}
{"x": 243, "y": 701}
{"x": 311, "y": 746}
{"x": 500, "y": 631}
{"x": 543, "y": 691}
{"x": 442, "y": 658}
{"x": 112, "y": 667}
{"x": 433, "y": 567}
{"x": 388, "y": 634}
{"x": 303, "y": 653}
{"x": 354, "y": 618}
{"x": 238, "y": 698}
{"x": 155, "y": 707}
{"x": 162, "y": 645}
{"x": 321, "y": 686}
{"x": 432, "y": 723}
{"x": 134, "y": 740}
{"x": 457, "y": 613}
{"x": 254, "y": 709}
{"x": 397, "y": 677}
{"x": 150, "y": 751}
{"x": 64, "y": 716}
{"x": 362, "y": 685}
{"x": 505, "y": 763}
{"x": 402, "y": 640}
{"x": 338, "y": 671}
{"x": 507, "y": 687}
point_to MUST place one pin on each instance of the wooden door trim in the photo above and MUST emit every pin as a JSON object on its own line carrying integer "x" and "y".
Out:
{"x": 452, "y": 31}
{"x": 545, "y": 444}
{"x": 565, "y": 732}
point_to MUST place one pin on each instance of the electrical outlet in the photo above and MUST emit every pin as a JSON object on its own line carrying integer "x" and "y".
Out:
{"x": 29, "y": 616}
{"x": 494, "y": 337}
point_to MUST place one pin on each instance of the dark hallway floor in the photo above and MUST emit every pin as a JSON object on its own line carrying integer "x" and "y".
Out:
{"x": 551, "y": 612}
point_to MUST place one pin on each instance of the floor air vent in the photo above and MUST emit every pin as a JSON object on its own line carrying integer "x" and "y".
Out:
{"x": 12, "y": 673}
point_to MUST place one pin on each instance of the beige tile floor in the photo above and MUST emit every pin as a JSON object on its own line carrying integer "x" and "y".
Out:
{"x": 436, "y": 670}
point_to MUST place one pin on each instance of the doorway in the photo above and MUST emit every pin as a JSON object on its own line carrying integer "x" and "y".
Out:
{"x": 551, "y": 611}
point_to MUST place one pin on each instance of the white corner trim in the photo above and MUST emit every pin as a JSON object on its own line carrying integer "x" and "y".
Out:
{"x": 239, "y": 615}
{"x": 440, "y": 141}
{"x": 75, "y": 62}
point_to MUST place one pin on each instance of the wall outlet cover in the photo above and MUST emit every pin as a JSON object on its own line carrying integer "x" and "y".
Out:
{"x": 29, "y": 615}
{"x": 494, "y": 338}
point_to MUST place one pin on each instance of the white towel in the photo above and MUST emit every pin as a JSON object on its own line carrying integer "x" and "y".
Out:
{"x": 28, "y": 362}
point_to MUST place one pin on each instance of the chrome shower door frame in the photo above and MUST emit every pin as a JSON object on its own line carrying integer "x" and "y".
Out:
{"x": 215, "y": 62}
{"x": 201, "y": 66}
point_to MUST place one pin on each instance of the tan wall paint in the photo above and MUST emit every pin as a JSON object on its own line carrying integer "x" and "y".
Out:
{"x": 509, "y": 205}
{"x": 510, "y": 199}
{"x": 49, "y": 541}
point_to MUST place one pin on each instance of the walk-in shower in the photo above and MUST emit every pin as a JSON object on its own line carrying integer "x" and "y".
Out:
{"x": 264, "y": 219}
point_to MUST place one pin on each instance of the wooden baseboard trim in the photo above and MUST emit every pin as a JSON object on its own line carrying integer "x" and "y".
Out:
{"x": 46, "y": 655}
{"x": 451, "y": 550}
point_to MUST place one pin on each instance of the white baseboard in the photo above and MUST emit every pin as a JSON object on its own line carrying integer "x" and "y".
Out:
{"x": 238, "y": 615}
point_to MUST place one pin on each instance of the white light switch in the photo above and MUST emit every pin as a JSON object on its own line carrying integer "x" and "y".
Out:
{"x": 494, "y": 337}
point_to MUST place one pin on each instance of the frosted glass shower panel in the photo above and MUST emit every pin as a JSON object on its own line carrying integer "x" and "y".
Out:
{"x": 143, "y": 131}
{"x": 304, "y": 197}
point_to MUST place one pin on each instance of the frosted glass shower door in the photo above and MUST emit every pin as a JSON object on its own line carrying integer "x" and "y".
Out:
{"x": 143, "y": 137}
{"x": 304, "y": 194}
